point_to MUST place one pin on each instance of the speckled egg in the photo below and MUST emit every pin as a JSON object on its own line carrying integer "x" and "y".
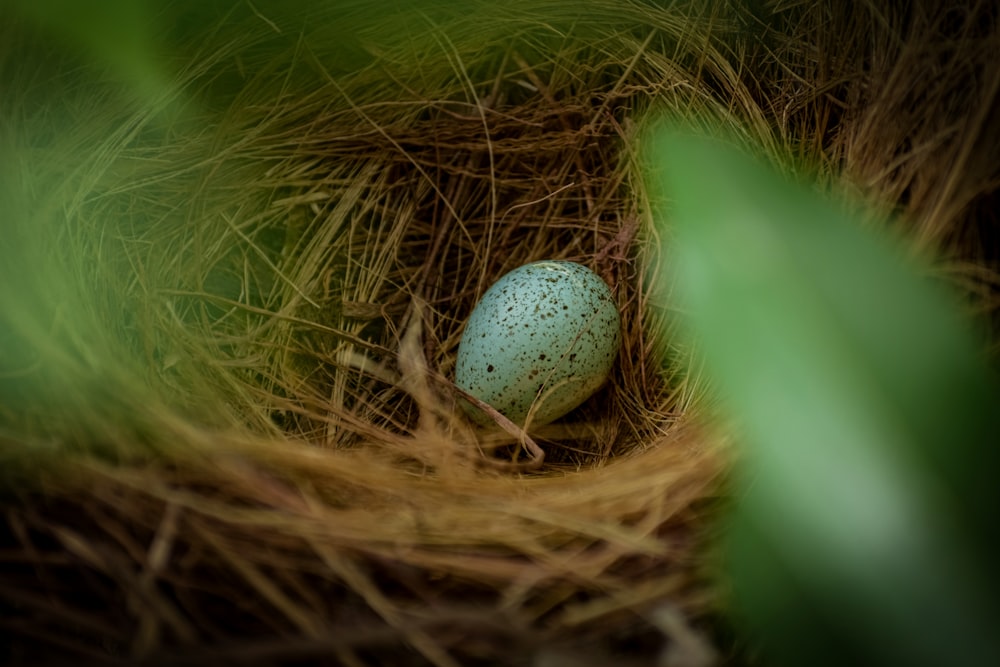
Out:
{"x": 542, "y": 339}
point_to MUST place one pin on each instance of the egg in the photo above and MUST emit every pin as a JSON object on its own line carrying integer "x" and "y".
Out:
{"x": 541, "y": 340}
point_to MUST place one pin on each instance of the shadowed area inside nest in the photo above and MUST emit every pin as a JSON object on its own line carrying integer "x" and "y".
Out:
{"x": 434, "y": 212}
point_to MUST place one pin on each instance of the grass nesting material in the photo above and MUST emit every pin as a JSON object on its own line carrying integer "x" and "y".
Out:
{"x": 226, "y": 417}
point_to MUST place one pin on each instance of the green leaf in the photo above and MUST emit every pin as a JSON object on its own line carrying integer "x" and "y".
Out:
{"x": 122, "y": 35}
{"x": 864, "y": 525}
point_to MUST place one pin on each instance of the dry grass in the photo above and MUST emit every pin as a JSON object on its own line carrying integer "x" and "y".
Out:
{"x": 225, "y": 420}
{"x": 895, "y": 104}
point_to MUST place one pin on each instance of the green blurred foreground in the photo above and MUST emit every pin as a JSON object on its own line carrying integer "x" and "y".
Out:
{"x": 864, "y": 524}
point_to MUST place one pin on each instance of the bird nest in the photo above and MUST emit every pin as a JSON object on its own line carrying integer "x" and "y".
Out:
{"x": 233, "y": 304}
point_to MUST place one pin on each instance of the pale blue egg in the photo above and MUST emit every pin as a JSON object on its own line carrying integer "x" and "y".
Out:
{"x": 542, "y": 340}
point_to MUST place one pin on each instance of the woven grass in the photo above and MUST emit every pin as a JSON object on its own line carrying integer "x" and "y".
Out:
{"x": 230, "y": 318}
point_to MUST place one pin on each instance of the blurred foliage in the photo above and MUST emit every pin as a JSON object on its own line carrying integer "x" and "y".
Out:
{"x": 863, "y": 526}
{"x": 120, "y": 34}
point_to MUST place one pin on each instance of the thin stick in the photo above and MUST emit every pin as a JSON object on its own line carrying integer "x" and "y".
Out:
{"x": 536, "y": 453}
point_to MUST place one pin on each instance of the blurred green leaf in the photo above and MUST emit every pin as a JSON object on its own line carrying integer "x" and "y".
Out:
{"x": 864, "y": 525}
{"x": 121, "y": 34}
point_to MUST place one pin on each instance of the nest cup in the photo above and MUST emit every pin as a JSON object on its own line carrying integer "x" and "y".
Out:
{"x": 229, "y": 429}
